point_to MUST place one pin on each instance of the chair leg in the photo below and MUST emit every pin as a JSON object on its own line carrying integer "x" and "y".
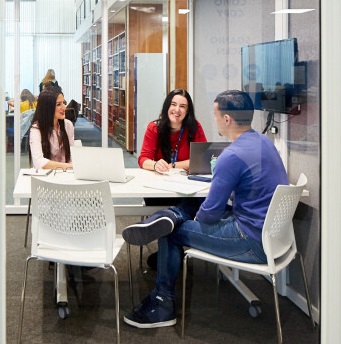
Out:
{"x": 278, "y": 318}
{"x": 141, "y": 256}
{"x": 22, "y": 306}
{"x": 141, "y": 247}
{"x": 130, "y": 276}
{"x": 218, "y": 275}
{"x": 61, "y": 289}
{"x": 184, "y": 278}
{"x": 306, "y": 289}
{"x": 27, "y": 221}
{"x": 117, "y": 304}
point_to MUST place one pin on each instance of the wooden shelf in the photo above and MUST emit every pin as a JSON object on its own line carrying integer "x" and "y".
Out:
{"x": 145, "y": 36}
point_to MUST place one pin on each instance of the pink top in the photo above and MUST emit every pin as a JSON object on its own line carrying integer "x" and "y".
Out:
{"x": 57, "y": 154}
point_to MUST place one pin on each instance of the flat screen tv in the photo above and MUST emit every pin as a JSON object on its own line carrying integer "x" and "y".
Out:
{"x": 273, "y": 77}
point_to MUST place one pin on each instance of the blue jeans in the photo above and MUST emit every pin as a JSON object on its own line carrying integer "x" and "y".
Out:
{"x": 223, "y": 238}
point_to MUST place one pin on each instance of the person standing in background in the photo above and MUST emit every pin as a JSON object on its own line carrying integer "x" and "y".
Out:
{"x": 48, "y": 80}
{"x": 51, "y": 135}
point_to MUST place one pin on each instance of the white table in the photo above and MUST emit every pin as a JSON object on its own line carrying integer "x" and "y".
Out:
{"x": 133, "y": 189}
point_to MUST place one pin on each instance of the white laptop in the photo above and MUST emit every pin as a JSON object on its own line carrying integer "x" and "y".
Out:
{"x": 99, "y": 163}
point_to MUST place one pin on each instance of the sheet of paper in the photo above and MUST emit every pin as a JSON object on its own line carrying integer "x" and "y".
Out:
{"x": 173, "y": 171}
{"x": 179, "y": 184}
{"x": 35, "y": 172}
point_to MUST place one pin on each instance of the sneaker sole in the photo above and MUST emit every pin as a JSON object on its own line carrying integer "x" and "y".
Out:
{"x": 150, "y": 325}
{"x": 144, "y": 233}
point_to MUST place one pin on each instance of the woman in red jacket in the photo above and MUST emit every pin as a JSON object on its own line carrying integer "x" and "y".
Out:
{"x": 167, "y": 140}
{"x": 166, "y": 143}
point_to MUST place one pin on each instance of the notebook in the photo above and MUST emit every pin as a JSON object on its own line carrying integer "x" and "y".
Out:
{"x": 201, "y": 154}
{"x": 99, "y": 163}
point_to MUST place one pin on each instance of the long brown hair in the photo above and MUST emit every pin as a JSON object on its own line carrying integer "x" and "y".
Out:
{"x": 44, "y": 119}
{"x": 27, "y": 95}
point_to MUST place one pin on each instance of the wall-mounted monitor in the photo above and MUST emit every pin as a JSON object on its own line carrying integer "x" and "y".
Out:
{"x": 273, "y": 77}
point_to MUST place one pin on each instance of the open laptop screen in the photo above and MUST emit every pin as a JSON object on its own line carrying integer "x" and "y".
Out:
{"x": 201, "y": 154}
{"x": 99, "y": 163}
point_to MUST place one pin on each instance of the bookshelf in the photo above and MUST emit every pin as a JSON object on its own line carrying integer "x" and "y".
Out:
{"x": 86, "y": 81}
{"x": 145, "y": 36}
{"x": 117, "y": 92}
{"x": 96, "y": 87}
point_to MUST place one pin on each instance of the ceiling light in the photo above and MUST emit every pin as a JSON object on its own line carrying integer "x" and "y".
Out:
{"x": 165, "y": 19}
{"x": 294, "y": 11}
{"x": 183, "y": 10}
{"x": 144, "y": 9}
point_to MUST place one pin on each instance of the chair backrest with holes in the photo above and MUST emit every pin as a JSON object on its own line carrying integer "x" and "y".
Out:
{"x": 73, "y": 217}
{"x": 278, "y": 233}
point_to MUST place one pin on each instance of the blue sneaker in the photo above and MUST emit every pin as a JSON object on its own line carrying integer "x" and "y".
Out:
{"x": 154, "y": 311}
{"x": 154, "y": 227}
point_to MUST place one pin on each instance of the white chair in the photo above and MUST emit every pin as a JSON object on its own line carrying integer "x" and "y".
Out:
{"x": 74, "y": 225}
{"x": 77, "y": 143}
{"x": 279, "y": 245}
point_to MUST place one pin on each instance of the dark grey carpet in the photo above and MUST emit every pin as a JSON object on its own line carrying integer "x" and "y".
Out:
{"x": 214, "y": 315}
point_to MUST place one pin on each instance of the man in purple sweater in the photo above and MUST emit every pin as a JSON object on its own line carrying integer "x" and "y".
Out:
{"x": 250, "y": 169}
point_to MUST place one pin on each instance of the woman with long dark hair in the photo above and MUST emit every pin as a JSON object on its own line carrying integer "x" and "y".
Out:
{"x": 167, "y": 140}
{"x": 51, "y": 135}
{"x": 166, "y": 144}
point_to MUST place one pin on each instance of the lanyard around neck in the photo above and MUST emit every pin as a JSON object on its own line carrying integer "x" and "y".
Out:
{"x": 174, "y": 155}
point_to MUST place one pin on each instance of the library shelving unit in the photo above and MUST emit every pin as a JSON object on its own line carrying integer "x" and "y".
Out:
{"x": 110, "y": 86}
{"x": 96, "y": 87}
{"x": 86, "y": 83}
{"x": 140, "y": 32}
{"x": 117, "y": 94}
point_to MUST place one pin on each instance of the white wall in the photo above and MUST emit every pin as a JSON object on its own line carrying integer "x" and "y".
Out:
{"x": 64, "y": 56}
{"x": 330, "y": 173}
{"x": 217, "y": 47}
{"x": 217, "y": 67}
{"x": 2, "y": 184}
{"x": 47, "y": 41}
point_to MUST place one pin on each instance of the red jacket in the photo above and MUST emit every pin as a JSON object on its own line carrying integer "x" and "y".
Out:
{"x": 150, "y": 149}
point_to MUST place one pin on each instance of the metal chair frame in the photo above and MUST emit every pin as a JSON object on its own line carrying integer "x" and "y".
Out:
{"x": 74, "y": 225}
{"x": 279, "y": 244}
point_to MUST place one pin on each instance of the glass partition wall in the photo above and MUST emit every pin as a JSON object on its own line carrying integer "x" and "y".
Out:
{"x": 35, "y": 42}
{"x": 119, "y": 59}
{"x": 125, "y": 62}
{"x": 288, "y": 108}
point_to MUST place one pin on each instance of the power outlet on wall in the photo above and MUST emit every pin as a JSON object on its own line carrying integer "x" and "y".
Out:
{"x": 274, "y": 130}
